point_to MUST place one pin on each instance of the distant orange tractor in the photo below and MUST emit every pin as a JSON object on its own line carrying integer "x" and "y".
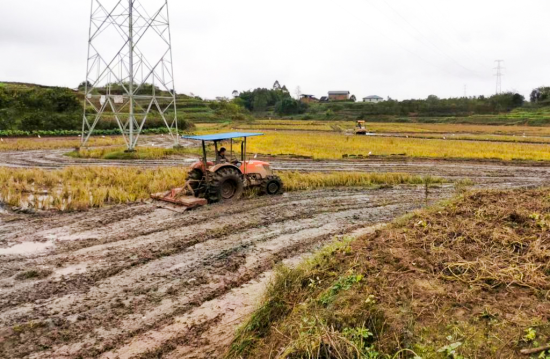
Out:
{"x": 360, "y": 128}
{"x": 223, "y": 180}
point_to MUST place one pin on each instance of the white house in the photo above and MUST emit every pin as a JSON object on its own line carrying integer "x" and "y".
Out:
{"x": 373, "y": 99}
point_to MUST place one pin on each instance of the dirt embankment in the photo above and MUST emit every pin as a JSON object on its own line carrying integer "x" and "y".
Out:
{"x": 138, "y": 281}
{"x": 466, "y": 280}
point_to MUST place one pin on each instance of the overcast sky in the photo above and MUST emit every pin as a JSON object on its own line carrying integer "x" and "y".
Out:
{"x": 398, "y": 48}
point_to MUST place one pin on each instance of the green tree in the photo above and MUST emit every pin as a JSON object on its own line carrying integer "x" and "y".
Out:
{"x": 540, "y": 94}
{"x": 260, "y": 103}
{"x": 290, "y": 106}
{"x": 82, "y": 85}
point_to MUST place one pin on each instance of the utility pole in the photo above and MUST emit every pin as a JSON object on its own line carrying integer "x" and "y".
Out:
{"x": 128, "y": 38}
{"x": 131, "y": 147}
{"x": 499, "y": 75}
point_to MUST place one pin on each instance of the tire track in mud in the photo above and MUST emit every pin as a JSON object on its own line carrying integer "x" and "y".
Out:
{"x": 131, "y": 281}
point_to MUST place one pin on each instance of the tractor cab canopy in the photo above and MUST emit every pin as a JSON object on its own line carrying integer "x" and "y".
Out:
{"x": 218, "y": 137}
{"x": 222, "y": 136}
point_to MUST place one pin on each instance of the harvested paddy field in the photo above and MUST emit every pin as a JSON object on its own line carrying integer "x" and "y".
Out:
{"x": 143, "y": 281}
{"x": 138, "y": 281}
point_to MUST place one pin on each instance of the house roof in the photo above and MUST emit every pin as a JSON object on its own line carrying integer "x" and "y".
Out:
{"x": 222, "y": 136}
{"x": 373, "y": 98}
{"x": 338, "y": 92}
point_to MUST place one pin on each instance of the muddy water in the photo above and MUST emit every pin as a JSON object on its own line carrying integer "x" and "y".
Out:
{"x": 26, "y": 248}
{"x": 134, "y": 280}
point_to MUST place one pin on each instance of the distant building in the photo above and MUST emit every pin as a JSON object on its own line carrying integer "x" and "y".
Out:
{"x": 323, "y": 99}
{"x": 338, "y": 95}
{"x": 373, "y": 99}
{"x": 308, "y": 99}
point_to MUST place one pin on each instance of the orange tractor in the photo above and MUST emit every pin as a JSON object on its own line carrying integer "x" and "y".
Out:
{"x": 360, "y": 128}
{"x": 223, "y": 180}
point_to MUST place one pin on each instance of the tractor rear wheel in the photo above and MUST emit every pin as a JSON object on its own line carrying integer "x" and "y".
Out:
{"x": 227, "y": 185}
{"x": 272, "y": 186}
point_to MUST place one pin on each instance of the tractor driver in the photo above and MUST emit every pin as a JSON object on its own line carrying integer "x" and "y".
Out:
{"x": 221, "y": 155}
{"x": 223, "y": 159}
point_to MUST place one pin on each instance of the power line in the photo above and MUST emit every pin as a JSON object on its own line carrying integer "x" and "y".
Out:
{"x": 448, "y": 24}
{"x": 499, "y": 75}
{"x": 437, "y": 48}
{"x": 398, "y": 44}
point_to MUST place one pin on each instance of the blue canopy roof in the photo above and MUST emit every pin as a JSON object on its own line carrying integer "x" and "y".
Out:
{"x": 222, "y": 136}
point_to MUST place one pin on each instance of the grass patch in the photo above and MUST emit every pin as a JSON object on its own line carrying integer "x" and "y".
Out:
{"x": 81, "y": 188}
{"x": 303, "y": 181}
{"x": 141, "y": 153}
{"x": 337, "y": 146}
{"x": 27, "y": 144}
{"x": 467, "y": 280}
{"x": 394, "y": 127}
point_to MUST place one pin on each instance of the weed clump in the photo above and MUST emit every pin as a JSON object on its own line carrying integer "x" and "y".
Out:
{"x": 34, "y": 274}
{"x": 467, "y": 280}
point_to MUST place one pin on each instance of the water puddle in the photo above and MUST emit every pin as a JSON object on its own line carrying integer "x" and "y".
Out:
{"x": 27, "y": 248}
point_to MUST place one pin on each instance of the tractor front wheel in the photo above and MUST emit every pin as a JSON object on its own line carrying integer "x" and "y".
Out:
{"x": 272, "y": 186}
{"x": 227, "y": 186}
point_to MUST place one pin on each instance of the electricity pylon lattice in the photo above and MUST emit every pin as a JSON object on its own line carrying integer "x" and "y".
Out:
{"x": 130, "y": 72}
{"x": 499, "y": 75}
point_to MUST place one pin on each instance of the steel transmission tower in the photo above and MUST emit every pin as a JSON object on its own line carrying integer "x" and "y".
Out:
{"x": 499, "y": 75}
{"x": 130, "y": 73}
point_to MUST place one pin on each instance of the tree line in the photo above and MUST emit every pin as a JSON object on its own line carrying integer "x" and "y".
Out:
{"x": 26, "y": 108}
{"x": 45, "y": 109}
{"x": 434, "y": 106}
{"x": 279, "y": 101}
{"x": 39, "y": 109}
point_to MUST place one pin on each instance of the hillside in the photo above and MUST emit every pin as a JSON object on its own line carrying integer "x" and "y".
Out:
{"x": 525, "y": 115}
{"x": 34, "y": 108}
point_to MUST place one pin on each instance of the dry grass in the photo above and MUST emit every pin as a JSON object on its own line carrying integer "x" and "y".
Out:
{"x": 26, "y": 144}
{"x": 483, "y": 137}
{"x": 398, "y": 127}
{"x": 300, "y": 181}
{"x": 117, "y": 153}
{"x": 81, "y": 188}
{"x": 336, "y": 146}
{"x": 468, "y": 280}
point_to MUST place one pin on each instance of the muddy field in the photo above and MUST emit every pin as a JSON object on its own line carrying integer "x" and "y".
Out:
{"x": 139, "y": 281}
{"x": 488, "y": 171}
{"x": 132, "y": 280}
